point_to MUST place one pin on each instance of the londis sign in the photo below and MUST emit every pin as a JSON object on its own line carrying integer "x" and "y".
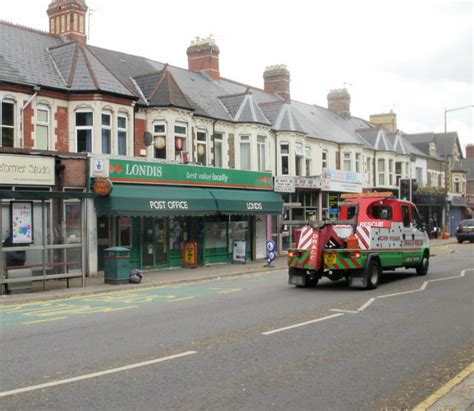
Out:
{"x": 150, "y": 172}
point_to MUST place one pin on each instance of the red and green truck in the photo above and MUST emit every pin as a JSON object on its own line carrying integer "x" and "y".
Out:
{"x": 375, "y": 232}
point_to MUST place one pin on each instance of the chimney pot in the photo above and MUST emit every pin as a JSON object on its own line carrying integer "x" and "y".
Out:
{"x": 276, "y": 80}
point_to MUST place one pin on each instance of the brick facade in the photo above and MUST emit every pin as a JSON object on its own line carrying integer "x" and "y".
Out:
{"x": 28, "y": 127}
{"x": 62, "y": 129}
{"x": 139, "y": 143}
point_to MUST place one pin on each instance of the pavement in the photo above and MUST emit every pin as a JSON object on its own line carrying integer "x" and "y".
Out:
{"x": 456, "y": 395}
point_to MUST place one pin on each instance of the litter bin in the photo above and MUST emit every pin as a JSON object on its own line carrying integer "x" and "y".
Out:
{"x": 116, "y": 265}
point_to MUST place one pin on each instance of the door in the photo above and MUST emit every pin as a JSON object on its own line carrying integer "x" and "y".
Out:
{"x": 161, "y": 242}
{"x": 260, "y": 237}
{"x": 147, "y": 241}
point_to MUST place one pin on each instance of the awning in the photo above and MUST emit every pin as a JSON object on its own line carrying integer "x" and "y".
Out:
{"x": 134, "y": 201}
{"x": 247, "y": 202}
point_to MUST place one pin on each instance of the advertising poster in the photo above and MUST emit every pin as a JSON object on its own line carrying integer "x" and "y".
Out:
{"x": 22, "y": 222}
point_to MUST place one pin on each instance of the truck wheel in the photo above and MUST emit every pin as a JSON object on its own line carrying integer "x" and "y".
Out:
{"x": 373, "y": 272}
{"x": 422, "y": 268}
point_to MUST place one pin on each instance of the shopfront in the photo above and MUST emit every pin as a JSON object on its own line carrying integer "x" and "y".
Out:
{"x": 156, "y": 208}
{"x": 42, "y": 219}
{"x": 457, "y": 211}
{"x": 430, "y": 206}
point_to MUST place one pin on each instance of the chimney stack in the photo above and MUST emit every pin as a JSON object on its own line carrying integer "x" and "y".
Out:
{"x": 67, "y": 18}
{"x": 203, "y": 56}
{"x": 276, "y": 80}
{"x": 387, "y": 120}
{"x": 339, "y": 101}
{"x": 470, "y": 151}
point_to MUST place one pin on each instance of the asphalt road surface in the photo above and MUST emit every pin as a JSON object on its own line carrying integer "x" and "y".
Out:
{"x": 248, "y": 342}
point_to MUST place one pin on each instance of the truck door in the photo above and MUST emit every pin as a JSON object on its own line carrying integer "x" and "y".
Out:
{"x": 421, "y": 235}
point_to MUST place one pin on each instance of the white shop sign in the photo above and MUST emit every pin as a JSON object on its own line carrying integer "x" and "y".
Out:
{"x": 308, "y": 182}
{"x": 284, "y": 185}
{"x": 29, "y": 170}
{"x": 238, "y": 254}
{"x": 99, "y": 167}
{"x": 341, "y": 187}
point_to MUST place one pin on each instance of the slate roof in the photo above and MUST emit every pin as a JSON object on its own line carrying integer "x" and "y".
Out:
{"x": 468, "y": 165}
{"x": 161, "y": 90}
{"x": 243, "y": 108}
{"x": 444, "y": 142}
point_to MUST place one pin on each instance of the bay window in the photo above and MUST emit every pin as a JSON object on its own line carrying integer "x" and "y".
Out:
{"x": 285, "y": 158}
{"x": 245, "y": 152}
{"x": 381, "y": 171}
{"x": 218, "y": 150}
{"x": 180, "y": 137}
{"x": 201, "y": 148}
{"x": 159, "y": 140}
{"x": 261, "y": 149}
{"x": 106, "y": 133}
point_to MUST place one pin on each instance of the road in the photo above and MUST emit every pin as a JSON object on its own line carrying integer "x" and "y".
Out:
{"x": 248, "y": 342}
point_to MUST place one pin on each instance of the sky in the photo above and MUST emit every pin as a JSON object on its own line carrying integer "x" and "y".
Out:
{"x": 414, "y": 57}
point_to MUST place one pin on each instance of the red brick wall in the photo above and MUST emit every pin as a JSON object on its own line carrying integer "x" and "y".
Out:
{"x": 28, "y": 126}
{"x": 140, "y": 128}
{"x": 470, "y": 151}
{"x": 204, "y": 58}
{"x": 62, "y": 130}
{"x": 75, "y": 172}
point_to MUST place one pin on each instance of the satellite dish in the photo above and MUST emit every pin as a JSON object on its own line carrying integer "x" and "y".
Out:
{"x": 147, "y": 138}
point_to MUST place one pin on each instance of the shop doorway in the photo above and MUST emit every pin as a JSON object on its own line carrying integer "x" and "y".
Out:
{"x": 260, "y": 237}
{"x": 147, "y": 242}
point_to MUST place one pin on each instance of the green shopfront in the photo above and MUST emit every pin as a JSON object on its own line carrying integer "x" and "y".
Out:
{"x": 154, "y": 208}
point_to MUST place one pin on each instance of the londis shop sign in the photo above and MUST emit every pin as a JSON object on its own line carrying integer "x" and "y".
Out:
{"x": 148, "y": 172}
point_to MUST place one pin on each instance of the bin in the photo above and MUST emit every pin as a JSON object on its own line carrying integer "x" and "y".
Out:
{"x": 116, "y": 265}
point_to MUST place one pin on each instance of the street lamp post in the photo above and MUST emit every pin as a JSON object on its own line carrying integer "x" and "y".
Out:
{"x": 446, "y": 179}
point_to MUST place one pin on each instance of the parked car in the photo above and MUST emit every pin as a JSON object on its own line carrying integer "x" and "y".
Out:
{"x": 465, "y": 231}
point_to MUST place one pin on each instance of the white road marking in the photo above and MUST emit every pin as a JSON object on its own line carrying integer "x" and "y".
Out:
{"x": 94, "y": 374}
{"x": 363, "y": 307}
{"x": 337, "y": 310}
{"x": 400, "y": 293}
{"x": 302, "y": 324}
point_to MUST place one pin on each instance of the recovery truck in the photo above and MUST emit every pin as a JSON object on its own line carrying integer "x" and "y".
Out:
{"x": 374, "y": 232}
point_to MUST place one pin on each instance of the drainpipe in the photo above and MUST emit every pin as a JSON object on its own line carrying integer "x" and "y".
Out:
{"x": 22, "y": 113}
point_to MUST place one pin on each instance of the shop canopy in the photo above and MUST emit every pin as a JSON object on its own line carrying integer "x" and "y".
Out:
{"x": 134, "y": 201}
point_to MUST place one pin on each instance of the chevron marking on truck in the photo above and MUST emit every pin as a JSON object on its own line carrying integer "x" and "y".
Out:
{"x": 305, "y": 238}
{"x": 363, "y": 234}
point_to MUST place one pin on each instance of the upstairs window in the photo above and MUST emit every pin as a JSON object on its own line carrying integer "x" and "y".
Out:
{"x": 324, "y": 159}
{"x": 390, "y": 172}
{"x": 307, "y": 155}
{"x": 7, "y": 123}
{"x": 285, "y": 158}
{"x": 347, "y": 162}
{"x": 381, "y": 171}
{"x": 122, "y": 135}
{"x": 261, "y": 150}
{"x": 245, "y": 152}
{"x": 42, "y": 128}
{"x": 201, "y": 148}
{"x": 218, "y": 150}
{"x": 180, "y": 137}
{"x": 299, "y": 157}
{"x": 84, "y": 131}
{"x": 106, "y": 133}
{"x": 358, "y": 163}
{"x": 159, "y": 140}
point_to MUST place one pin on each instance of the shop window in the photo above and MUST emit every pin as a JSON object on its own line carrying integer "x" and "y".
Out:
{"x": 42, "y": 128}
{"x": 261, "y": 152}
{"x": 7, "y": 123}
{"x": 381, "y": 171}
{"x": 285, "y": 158}
{"x": 245, "y": 152}
{"x": 159, "y": 140}
{"x": 218, "y": 150}
{"x": 201, "y": 148}
{"x": 180, "y": 137}
{"x": 106, "y": 133}
{"x": 178, "y": 232}
{"x": 347, "y": 162}
{"x": 125, "y": 231}
{"x": 122, "y": 135}
{"x": 84, "y": 131}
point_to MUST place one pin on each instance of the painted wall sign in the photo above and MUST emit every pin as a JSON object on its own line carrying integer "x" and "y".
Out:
{"x": 150, "y": 172}
{"x": 30, "y": 170}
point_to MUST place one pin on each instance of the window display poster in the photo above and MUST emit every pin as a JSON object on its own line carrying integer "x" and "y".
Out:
{"x": 22, "y": 222}
{"x": 238, "y": 255}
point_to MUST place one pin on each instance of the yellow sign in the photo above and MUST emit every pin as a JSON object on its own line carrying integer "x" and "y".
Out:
{"x": 190, "y": 254}
{"x": 31, "y": 170}
{"x": 330, "y": 259}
